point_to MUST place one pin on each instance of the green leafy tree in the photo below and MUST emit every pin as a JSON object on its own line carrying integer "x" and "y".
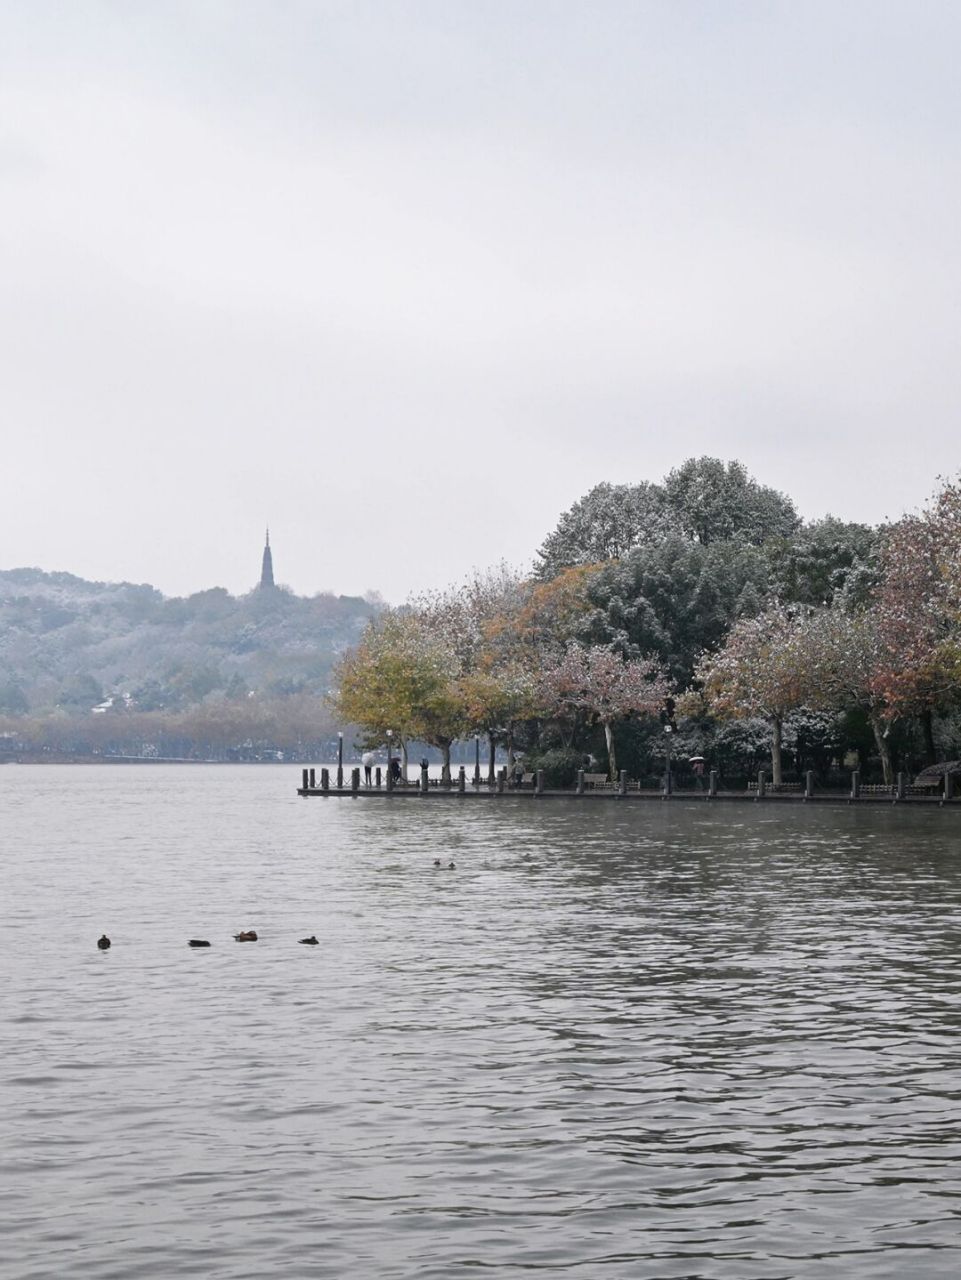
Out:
{"x": 675, "y": 600}
{"x": 604, "y": 525}
{"x": 825, "y": 560}
{"x": 714, "y": 501}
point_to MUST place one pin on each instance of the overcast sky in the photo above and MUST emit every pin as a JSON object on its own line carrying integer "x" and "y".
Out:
{"x": 407, "y": 279}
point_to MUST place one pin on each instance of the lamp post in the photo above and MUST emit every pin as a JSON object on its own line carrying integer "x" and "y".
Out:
{"x": 476, "y": 759}
{"x": 340, "y": 759}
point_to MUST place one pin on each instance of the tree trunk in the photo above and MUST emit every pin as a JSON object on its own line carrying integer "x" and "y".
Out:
{"x": 927, "y": 729}
{"x": 884, "y": 749}
{"x": 611, "y": 758}
{"x": 445, "y": 772}
{"x": 510, "y": 751}
{"x": 777, "y": 726}
{"x": 492, "y": 743}
{"x": 403, "y": 753}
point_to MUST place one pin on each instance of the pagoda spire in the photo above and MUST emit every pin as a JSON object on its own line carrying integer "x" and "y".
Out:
{"x": 267, "y": 566}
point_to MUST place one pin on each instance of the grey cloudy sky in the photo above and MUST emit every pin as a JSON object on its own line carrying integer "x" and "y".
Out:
{"x": 406, "y": 279}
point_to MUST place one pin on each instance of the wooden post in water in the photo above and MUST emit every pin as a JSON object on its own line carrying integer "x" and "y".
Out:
{"x": 712, "y": 784}
{"x": 355, "y": 780}
{"x": 304, "y": 775}
{"x": 855, "y": 784}
{"x": 424, "y": 780}
{"x": 501, "y": 779}
{"x": 580, "y": 782}
{"x": 539, "y": 782}
{"x": 623, "y": 786}
{"x": 761, "y": 784}
{"x": 325, "y": 780}
{"x": 900, "y": 787}
{"x": 461, "y": 781}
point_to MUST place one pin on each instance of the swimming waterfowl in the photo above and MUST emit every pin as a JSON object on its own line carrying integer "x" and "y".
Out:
{"x": 309, "y": 942}
{"x": 437, "y": 862}
{"x": 198, "y": 942}
{"x": 103, "y": 942}
{"x": 246, "y": 935}
{"x": 451, "y": 866}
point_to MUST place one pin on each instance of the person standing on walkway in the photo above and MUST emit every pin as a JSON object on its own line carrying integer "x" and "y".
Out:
{"x": 367, "y": 760}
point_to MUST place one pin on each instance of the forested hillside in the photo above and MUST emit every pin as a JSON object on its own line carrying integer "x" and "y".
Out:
{"x": 90, "y": 661}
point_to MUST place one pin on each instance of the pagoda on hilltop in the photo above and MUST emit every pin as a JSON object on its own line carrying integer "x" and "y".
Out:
{"x": 267, "y": 566}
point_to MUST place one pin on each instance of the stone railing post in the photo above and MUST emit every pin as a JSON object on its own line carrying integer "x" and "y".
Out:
{"x": 761, "y": 784}
{"x": 501, "y": 780}
{"x": 948, "y": 786}
{"x": 580, "y": 782}
{"x": 355, "y": 780}
{"x": 855, "y": 784}
{"x": 325, "y": 779}
{"x": 809, "y": 784}
{"x": 389, "y": 780}
{"x": 377, "y": 777}
{"x": 539, "y": 782}
{"x": 900, "y": 787}
{"x": 313, "y": 780}
{"x": 461, "y": 781}
{"x": 712, "y": 784}
{"x": 623, "y": 783}
{"x": 424, "y": 780}
{"x": 305, "y": 777}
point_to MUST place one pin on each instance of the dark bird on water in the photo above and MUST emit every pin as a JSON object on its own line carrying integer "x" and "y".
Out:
{"x": 198, "y": 942}
{"x": 246, "y": 935}
{"x": 103, "y": 942}
{"x": 437, "y": 862}
{"x": 309, "y": 942}
{"x": 452, "y": 866}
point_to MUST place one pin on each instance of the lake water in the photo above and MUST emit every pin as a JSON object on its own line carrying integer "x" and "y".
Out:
{"x": 637, "y": 1042}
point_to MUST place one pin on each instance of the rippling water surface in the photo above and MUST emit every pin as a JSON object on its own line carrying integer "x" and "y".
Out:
{"x": 639, "y": 1041}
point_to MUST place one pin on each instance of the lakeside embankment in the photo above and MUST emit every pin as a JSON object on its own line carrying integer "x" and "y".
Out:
{"x": 590, "y": 788}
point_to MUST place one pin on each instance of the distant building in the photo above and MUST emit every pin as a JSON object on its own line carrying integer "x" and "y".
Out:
{"x": 267, "y": 567}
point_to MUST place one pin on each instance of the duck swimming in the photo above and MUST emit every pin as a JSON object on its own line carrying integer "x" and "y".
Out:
{"x": 246, "y": 935}
{"x": 452, "y": 866}
{"x": 198, "y": 942}
{"x": 309, "y": 942}
{"x": 103, "y": 942}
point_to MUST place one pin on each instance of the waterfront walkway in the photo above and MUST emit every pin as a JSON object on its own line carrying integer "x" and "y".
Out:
{"x": 624, "y": 792}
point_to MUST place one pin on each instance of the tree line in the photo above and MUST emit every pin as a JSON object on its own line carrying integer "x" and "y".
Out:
{"x": 704, "y": 601}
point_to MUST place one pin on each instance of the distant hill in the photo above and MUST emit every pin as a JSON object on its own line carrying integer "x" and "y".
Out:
{"x": 74, "y": 645}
